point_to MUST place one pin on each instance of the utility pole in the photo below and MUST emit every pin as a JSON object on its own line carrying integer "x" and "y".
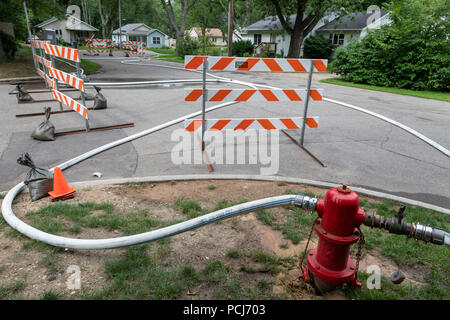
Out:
{"x": 120, "y": 28}
{"x": 29, "y": 33}
{"x": 230, "y": 28}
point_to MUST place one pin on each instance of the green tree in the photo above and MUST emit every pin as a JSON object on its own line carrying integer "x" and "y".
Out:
{"x": 308, "y": 14}
{"x": 411, "y": 53}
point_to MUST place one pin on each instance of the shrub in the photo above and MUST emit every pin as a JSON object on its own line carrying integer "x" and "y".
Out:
{"x": 412, "y": 53}
{"x": 318, "y": 47}
{"x": 241, "y": 48}
{"x": 188, "y": 46}
{"x": 9, "y": 45}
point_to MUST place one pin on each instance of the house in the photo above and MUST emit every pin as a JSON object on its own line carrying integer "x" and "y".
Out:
{"x": 351, "y": 27}
{"x": 70, "y": 28}
{"x": 339, "y": 30}
{"x": 153, "y": 38}
{"x": 215, "y": 34}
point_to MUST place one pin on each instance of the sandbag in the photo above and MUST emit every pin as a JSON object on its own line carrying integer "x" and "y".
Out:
{"x": 22, "y": 94}
{"x": 99, "y": 100}
{"x": 45, "y": 131}
{"x": 88, "y": 96}
{"x": 38, "y": 180}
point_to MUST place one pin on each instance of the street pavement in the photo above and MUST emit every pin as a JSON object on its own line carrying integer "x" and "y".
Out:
{"x": 356, "y": 148}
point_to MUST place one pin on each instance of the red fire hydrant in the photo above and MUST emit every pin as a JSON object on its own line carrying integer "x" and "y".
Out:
{"x": 338, "y": 224}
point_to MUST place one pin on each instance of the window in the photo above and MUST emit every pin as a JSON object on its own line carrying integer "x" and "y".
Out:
{"x": 337, "y": 39}
{"x": 256, "y": 38}
{"x": 156, "y": 40}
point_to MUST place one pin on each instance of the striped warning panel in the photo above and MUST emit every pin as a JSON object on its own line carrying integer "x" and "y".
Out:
{"x": 39, "y": 43}
{"x": 40, "y": 73}
{"x": 255, "y": 64}
{"x": 62, "y": 52}
{"x": 244, "y": 124}
{"x": 51, "y": 83}
{"x": 67, "y": 78}
{"x": 72, "y": 104}
{"x": 253, "y": 94}
{"x": 42, "y": 61}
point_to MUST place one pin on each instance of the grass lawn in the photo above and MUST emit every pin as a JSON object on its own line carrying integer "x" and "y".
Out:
{"x": 24, "y": 66}
{"x": 146, "y": 271}
{"x": 170, "y": 51}
{"x": 444, "y": 96}
{"x": 171, "y": 58}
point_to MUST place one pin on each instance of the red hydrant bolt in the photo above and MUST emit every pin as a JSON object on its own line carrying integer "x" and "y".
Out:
{"x": 340, "y": 216}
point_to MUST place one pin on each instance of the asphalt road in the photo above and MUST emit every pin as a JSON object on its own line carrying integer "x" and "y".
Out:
{"x": 356, "y": 148}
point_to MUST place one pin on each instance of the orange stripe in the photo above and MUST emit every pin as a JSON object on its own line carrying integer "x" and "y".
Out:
{"x": 194, "y": 125}
{"x": 195, "y": 62}
{"x": 244, "y": 96}
{"x": 222, "y": 63}
{"x": 320, "y": 66}
{"x": 194, "y": 95}
{"x": 220, "y": 95}
{"x": 266, "y": 124}
{"x": 296, "y": 65}
{"x": 244, "y": 124}
{"x": 268, "y": 94}
{"x": 272, "y": 64}
{"x": 292, "y": 95}
{"x": 310, "y": 122}
{"x": 248, "y": 64}
{"x": 63, "y": 52}
{"x": 75, "y": 55}
{"x": 289, "y": 123}
{"x": 315, "y": 95}
{"x": 84, "y": 112}
{"x": 219, "y": 125}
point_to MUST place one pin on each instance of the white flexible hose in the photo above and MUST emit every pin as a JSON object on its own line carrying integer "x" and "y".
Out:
{"x": 109, "y": 243}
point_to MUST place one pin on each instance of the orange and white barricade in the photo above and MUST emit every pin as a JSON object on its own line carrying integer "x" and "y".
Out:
{"x": 134, "y": 47}
{"x": 99, "y": 45}
{"x": 288, "y": 123}
{"x": 253, "y": 95}
{"x": 62, "y": 52}
{"x": 232, "y": 64}
{"x": 72, "y": 104}
{"x": 255, "y": 64}
{"x": 67, "y": 78}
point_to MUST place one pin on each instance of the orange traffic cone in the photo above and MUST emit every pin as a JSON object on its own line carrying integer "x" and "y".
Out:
{"x": 61, "y": 190}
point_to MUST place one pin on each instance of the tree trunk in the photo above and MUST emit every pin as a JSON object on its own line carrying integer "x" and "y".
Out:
{"x": 249, "y": 12}
{"x": 295, "y": 45}
{"x": 2, "y": 53}
{"x": 102, "y": 18}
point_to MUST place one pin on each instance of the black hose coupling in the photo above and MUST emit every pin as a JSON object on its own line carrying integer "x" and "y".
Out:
{"x": 396, "y": 225}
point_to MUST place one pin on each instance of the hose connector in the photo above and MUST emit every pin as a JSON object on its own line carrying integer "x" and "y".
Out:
{"x": 399, "y": 226}
{"x": 305, "y": 202}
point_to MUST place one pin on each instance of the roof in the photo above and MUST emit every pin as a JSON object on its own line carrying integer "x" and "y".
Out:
{"x": 46, "y": 22}
{"x": 271, "y": 23}
{"x": 129, "y": 29}
{"x": 72, "y": 23}
{"x": 353, "y": 21}
{"x": 210, "y": 32}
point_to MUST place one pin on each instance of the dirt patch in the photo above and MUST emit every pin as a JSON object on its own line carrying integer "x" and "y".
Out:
{"x": 197, "y": 247}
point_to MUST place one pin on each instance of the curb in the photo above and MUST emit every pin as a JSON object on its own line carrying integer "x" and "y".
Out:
{"x": 19, "y": 79}
{"x": 259, "y": 178}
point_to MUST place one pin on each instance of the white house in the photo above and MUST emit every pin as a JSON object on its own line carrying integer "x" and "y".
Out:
{"x": 339, "y": 30}
{"x": 153, "y": 38}
{"x": 69, "y": 29}
{"x": 215, "y": 34}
